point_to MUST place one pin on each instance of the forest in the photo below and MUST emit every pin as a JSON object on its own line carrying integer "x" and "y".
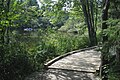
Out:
{"x": 33, "y": 32}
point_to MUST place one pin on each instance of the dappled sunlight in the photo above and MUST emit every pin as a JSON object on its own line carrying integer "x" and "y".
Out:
{"x": 58, "y": 74}
{"x": 82, "y": 61}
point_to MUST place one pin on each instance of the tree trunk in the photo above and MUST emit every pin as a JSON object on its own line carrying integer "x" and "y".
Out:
{"x": 106, "y": 4}
{"x": 89, "y": 19}
{"x": 118, "y": 54}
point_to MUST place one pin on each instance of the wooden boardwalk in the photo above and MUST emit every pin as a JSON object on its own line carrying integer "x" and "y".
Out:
{"x": 76, "y": 65}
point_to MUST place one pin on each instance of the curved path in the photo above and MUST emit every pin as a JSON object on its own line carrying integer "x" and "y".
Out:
{"x": 76, "y": 65}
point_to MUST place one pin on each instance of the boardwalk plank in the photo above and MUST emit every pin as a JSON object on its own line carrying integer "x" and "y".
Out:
{"x": 82, "y": 61}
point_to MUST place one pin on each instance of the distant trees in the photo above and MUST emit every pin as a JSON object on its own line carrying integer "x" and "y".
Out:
{"x": 88, "y": 8}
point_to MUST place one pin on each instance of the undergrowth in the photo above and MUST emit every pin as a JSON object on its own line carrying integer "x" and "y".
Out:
{"x": 28, "y": 53}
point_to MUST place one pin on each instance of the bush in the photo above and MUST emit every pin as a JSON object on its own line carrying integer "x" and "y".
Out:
{"x": 15, "y": 63}
{"x": 56, "y": 43}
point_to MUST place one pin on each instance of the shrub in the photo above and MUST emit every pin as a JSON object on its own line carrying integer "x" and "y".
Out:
{"x": 56, "y": 43}
{"x": 15, "y": 63}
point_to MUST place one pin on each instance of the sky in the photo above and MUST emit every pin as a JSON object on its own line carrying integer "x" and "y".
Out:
{"x": 40, "y": 2}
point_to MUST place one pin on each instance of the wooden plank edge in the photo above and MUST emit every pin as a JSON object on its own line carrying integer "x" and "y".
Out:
{"x": 85, "y": 71}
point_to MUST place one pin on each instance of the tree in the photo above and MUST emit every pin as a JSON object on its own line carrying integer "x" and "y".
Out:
{"x": 106, "y": 4}
{"x": 11, "y": 52}
{"x": 87, "y": 7}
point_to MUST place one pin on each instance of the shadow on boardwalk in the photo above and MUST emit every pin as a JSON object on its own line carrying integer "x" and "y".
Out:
{"x": 55, "y": 74}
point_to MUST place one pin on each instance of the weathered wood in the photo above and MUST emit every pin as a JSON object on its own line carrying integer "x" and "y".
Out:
{"x": 67, "y": 54}
{"x": 88, "y": 61}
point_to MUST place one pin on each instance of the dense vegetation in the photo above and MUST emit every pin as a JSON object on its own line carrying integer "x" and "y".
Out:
{"x": 33, "y": 32}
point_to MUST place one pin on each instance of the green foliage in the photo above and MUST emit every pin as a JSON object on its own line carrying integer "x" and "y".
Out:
{"x": 114, "y": 72}
{"x": 56, "y": 43}
{"x": 14, "y": 62}
{"x": 113, "y": 32}
{"x": 110, "y": 48}
{"x": 115, "y": 9}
